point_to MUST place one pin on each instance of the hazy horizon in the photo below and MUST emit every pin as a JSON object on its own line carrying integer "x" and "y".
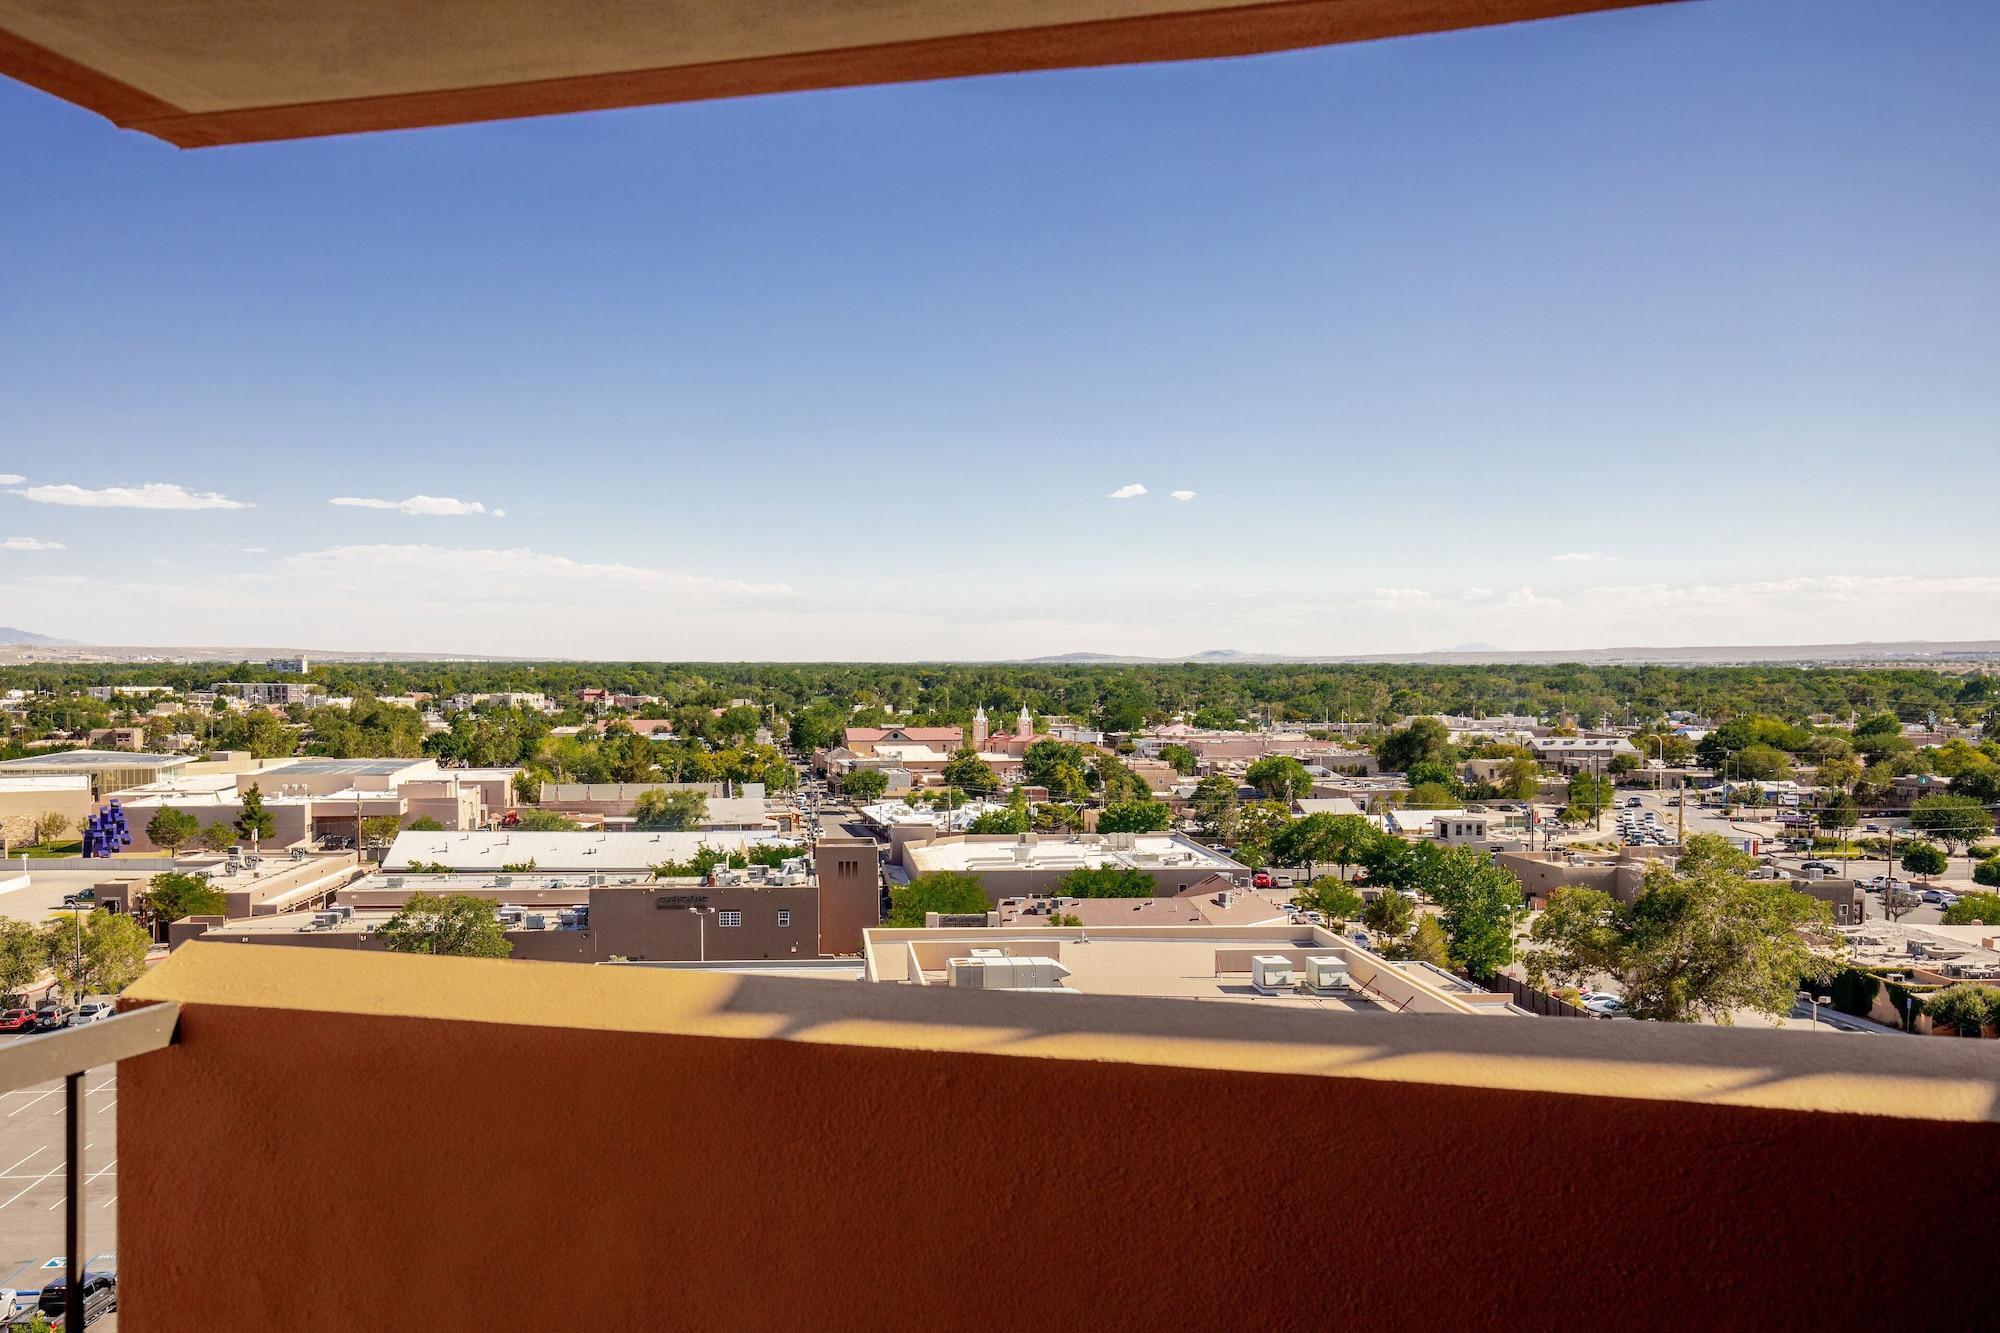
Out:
{"x": 1650, "y": 328}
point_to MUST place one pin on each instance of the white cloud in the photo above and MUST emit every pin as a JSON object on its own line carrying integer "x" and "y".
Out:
{"x": 509, "y": 575}
{"x": 1394, "y": 599}
{"x": 29, "y": 544}
{"x": 1183, "y": 495}
{"x": 420, "y": 506}
{"x": 1127, "y": 492}
{"x": 1479, "y": 594}
{"x": 1525, "y": 599}
{"x": 153, "y": 495}
{"x": 1578, "y": 557}
{"x": 256, "y": 550}
{"x": 11, "y": 479}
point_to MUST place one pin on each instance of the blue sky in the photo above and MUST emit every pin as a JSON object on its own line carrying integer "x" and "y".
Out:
{"x": 1669, "y": 326}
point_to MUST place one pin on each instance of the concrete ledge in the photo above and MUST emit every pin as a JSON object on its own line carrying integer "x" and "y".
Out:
{"x": 1905, "y": 1078}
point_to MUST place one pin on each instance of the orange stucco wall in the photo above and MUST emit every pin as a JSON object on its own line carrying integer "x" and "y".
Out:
{"x": 320, "y": 1171}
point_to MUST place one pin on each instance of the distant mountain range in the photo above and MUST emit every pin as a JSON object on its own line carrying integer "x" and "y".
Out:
{"x": 20, "y": 637}
{"x": 1917, "y": 651}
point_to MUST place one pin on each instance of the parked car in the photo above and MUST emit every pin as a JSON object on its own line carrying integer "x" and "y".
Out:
{"x": 1824, "y": 867}
{"x": 51, "y": 1017}
{"x": 1262, "y": 880}
{"x": 17, "y": 1020}
{"x": 1939, "y": 897}
{"x": 100, "y": 1297}
{"x": 1605, "y": 1006}
{"x": 94, "y": 1012}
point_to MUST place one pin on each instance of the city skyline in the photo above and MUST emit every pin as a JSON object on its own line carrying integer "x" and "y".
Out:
{"x": 1655, "y": 327}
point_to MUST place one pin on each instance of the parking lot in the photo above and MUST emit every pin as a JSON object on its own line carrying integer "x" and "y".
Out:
{"x": 32, "y": 1182}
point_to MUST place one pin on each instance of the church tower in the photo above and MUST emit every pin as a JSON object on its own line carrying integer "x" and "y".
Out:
{"x": 1024, "y": 725}
{"x": 979, "y": 728}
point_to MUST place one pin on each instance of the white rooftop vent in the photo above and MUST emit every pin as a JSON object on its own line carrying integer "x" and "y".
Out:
{"x": 1270, "y": 973}
{"x": 1325, "y": 974}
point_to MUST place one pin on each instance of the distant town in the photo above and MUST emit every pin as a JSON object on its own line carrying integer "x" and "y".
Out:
{"x": 1431, "y": 838}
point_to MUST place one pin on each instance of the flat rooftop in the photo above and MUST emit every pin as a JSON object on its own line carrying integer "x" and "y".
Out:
{"x": 22, "y": 783}
{"x": 85, "y": 761}
{"x": 588, "y": 852}
{"x": 1188, "y": 962}
{"x": 1145, "y": 851}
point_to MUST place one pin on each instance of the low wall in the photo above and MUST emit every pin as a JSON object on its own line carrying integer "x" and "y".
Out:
{"x": 743, "y": 1152}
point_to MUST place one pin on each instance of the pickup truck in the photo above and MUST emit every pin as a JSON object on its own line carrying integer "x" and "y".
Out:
{"x": 81, "y": 898}
{"x": 100, "y": 1298}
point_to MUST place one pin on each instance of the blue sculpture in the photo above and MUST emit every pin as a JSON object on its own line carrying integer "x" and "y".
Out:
{"x": 106, "y": 831}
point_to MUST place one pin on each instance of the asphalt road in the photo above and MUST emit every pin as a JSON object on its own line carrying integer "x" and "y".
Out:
{"x": 32, "y": 1182}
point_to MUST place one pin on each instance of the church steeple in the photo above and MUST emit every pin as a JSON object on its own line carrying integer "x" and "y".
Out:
{"x": 1024, "y": 725}
{"x": 979, "y": 728}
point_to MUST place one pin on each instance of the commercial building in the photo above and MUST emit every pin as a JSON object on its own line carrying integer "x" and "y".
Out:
{"x": 107, "y": 770}
{"x": 26, "y": 797}
{"x": 1283, "y": 966}
{"x": 602, "y": 853}
{"x": 813, "y": 905}
{"x": 1029, "y": 864}
{"x": 271, "y": 693}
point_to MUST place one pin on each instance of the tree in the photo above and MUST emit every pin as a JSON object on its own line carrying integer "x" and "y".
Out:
{"x": 1134, "y": 817}
{"x": 1182, "y": 759}
{"x": 946, "y": 892}
{"x": 1589, "y": 795}
{"x": 1954, "y": 820}
{"x": 1963, "y": 1008}
{"x": 1214, "y": 806}
{"x": 673, "y": 811}
{"x": 1279, "y": 777}
{"x": 1839, "y": 814}
{"x": 1107, "y": 882}
{"x": 1520, "y": 779}
{"x": 863, "y": 784}
{"x": 1429, "y": 943}
{"x": 1899, "y": 902}
{"x": 1425, "y": 738}
{"x": 217, "y": 837}
{"x": 172, "y": 829}
{"x": 968, "y": 772}
{"x": 1761, "y": 763}
{"x": 1388, "y": 914}
{"x": 23, "y": 958}
{"x": 1481, "y": 904}
{"x": 424, "y": 824}
{"x": 546, "y": 821}
{"x": 49, "y": 826}
{"x": 255, "y": 823}
{"x": 1258, "y": 825}
{"x": 112, "y": 957}
{"x": 1987, "y": 872}
{"x": 1014, "y": 819}
{"x": 1621, "y": 764}
{"x": 380, "y": 830}
{"x": 1333, "y": 899}
{"x": 1700, "y": 941}
{"x": 457, "y": 924}
{"x": 1925, "y": 859}
{"x": 172, "y": 896}
{"x": 1980, "y": 908}
{"x": 1320, "y": 838}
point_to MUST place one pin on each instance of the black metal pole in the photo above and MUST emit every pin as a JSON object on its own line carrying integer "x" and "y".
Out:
{"x": 73, "y": 1229}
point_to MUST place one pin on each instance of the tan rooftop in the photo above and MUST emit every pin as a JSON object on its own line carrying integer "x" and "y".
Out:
{"x": 202, "y": 72}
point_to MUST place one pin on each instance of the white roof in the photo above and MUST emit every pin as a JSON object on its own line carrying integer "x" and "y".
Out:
{"x": 582, "y": 852}
{"x": 27, "y": 782}
{"x": 1326, "y": 805}
{"x": 1149, "y": 851}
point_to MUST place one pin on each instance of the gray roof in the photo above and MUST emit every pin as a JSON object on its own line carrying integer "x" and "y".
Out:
{"x": 88, "y": 759}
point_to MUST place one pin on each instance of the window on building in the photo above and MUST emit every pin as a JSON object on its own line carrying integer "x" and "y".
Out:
{"x": 726, "y": 919}
{"x": 784, "y": 919}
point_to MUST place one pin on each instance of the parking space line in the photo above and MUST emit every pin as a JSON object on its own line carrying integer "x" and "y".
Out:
{"x": 25, "y": 1105}
{"x": 44, "y": 1148}
{"x": 25, "y": 1188}
{"x": 108, "y": 1202}
{"x": 88, "y": 1182}
{"x": 107, "y": 1106}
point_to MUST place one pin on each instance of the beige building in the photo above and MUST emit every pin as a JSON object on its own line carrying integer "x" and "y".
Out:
{"x": 26, "y": 797}
{"x": 1029, "y": 864}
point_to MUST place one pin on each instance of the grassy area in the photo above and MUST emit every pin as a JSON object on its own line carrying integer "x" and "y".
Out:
{"x": 46, "y": 849}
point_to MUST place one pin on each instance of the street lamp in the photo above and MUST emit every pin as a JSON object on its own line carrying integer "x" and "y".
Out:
{"x": 701, "y": 915}
{"x": 1807, "y": 997}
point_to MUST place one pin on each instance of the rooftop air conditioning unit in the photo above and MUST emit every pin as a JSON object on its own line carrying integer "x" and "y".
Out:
{"x": 393, "y": 882}
{"x": 503, "y": 881}
{"x": 1270, "y": 973}
{"x": 1326, "y": 974}
{"x": 536, "y": 921}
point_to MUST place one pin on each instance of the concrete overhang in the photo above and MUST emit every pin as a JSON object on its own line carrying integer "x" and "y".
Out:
{"x": 203, "y": 72}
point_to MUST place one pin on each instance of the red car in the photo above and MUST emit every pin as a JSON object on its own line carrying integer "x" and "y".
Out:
{"x": 17, "y": 1020}
{"x": 1262, "y": 880}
